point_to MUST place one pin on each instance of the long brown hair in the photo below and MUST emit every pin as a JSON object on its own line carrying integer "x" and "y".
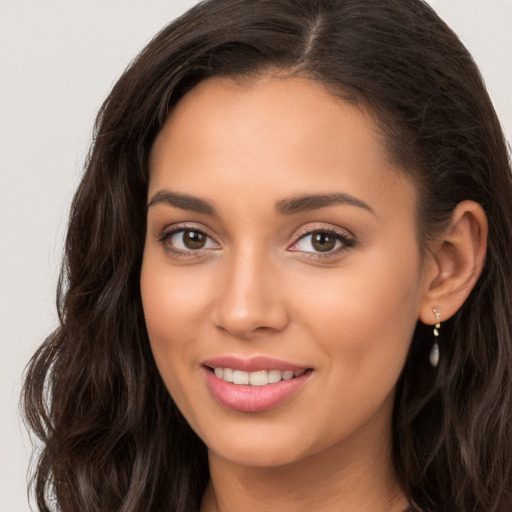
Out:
{"x": 112, "y": 438}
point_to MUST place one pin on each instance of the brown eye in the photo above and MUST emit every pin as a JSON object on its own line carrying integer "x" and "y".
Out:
{"x": 187, "y": 240}
{"x": 323, "y": 242}
{"x": 194, "y": 239}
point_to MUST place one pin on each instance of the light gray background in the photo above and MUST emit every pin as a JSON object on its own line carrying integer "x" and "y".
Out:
{"x": 58, "y": 61}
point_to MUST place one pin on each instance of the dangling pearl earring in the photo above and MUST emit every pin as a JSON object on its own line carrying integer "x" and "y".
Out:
{"x": 434, "y": 353}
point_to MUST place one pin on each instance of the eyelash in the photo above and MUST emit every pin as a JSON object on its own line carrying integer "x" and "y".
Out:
{"x": 191, "y": 253}
{"x": 346, "y": 242}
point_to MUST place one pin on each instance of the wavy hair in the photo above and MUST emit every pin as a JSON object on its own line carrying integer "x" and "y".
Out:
{"x": 111, "y": 437}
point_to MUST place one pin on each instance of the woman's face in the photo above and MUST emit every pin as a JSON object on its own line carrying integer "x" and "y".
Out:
{"x": 281, "y": 242}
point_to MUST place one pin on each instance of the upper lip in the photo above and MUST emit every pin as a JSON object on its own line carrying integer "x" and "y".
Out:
{"x": 252, "y": 364}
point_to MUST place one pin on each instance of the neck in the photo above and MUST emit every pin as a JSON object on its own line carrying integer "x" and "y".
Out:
{"x": 348, "y": 476}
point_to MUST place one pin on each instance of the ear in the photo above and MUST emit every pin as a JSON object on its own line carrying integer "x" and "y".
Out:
{"x": 455, "y": 262}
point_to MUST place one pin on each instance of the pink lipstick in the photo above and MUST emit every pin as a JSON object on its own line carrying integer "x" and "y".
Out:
{"x": 255, "y": 384}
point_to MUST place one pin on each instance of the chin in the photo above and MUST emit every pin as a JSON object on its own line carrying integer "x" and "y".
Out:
{"x": 262, "y": 446}
{"x": 258, "y": 457}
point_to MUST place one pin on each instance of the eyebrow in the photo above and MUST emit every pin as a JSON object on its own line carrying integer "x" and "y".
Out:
{"x": 305, "y": 203}
{"x": 183, "y": 201}
{"x": 287, "y": 206}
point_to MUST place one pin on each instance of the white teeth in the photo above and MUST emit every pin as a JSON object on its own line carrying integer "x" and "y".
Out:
{"x": 240, "y": 377}
{"x": 258, "y": 378}
{"x": 227, "y": 374}
{"x": 274, "y": 376}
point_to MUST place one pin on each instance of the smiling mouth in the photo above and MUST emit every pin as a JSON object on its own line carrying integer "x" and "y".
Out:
{"x": 267, "y": 385}
{"x": 257, "y": 378}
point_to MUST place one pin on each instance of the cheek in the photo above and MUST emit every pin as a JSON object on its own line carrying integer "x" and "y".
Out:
{"x": 364, "y": 316}
{"x": 169, "y": 300}
{"x": 172, "y": 299}
{"x": 361, "y": 326}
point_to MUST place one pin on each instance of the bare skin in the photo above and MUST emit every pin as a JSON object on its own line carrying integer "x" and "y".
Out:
{"x": 334, "y": 286}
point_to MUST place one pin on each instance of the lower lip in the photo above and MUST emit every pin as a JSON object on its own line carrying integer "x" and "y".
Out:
{"x": 253, "y": 398}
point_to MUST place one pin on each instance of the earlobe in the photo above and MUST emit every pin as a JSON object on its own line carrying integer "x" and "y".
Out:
{"x": 455, "y": 263}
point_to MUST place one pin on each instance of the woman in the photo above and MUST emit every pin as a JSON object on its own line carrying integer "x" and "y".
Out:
{"x": 287, "y": 274}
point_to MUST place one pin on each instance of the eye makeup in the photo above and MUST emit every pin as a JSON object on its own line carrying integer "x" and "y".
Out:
{"x": 313, "y": 242}
{"x": 187, "y": 241}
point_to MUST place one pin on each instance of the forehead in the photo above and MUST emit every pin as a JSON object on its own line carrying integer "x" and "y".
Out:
{"x": 272, "y": 137}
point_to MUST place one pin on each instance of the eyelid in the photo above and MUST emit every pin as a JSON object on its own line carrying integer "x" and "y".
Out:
{"x": 328, "y": 228}
{"x": 183, "y": 226}
{"x": 346, "y": 237}
{"x": 166, "y": 233}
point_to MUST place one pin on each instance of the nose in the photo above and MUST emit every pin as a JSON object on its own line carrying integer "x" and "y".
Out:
{"x": 250, "y": 299}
